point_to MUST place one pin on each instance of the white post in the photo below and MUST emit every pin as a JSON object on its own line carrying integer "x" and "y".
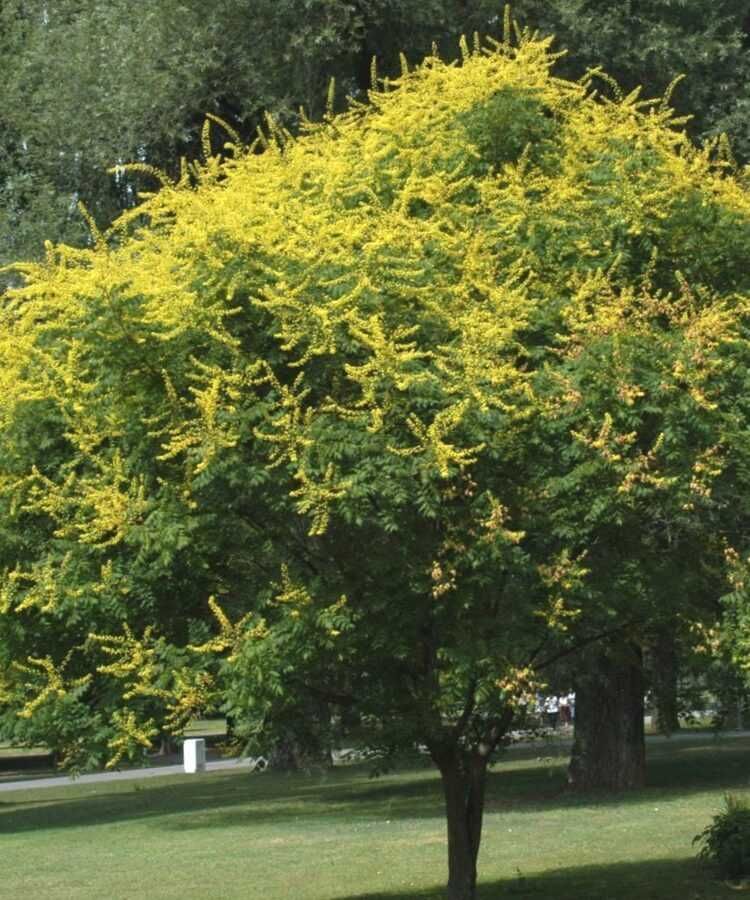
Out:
{"x": 194, "y": 755}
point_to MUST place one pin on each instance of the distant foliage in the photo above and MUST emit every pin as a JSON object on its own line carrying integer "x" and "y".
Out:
{"x": 651, "y": 43}
{"x": 88, "y": 83}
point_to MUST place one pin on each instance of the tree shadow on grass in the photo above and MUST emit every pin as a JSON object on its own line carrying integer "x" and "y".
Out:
{"x": 220, "y": 800}
{"x": 653, "y": 879}
{"x": 227, "y": 799}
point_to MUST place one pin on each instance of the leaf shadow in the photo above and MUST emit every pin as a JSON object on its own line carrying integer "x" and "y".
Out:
{"x": 652, "y": 879}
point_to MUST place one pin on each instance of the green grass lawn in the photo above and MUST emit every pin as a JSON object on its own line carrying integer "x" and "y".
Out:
{"x": 8, "y": 752}
{"x": 343, "y": 835}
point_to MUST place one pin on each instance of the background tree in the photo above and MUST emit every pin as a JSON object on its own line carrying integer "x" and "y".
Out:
{"x": 88, "y": 84}
{"x": 651, "y": 43}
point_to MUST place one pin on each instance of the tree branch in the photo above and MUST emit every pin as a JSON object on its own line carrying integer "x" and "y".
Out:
{"x": 469, "y": 706}
{"x": 592, "y": 639}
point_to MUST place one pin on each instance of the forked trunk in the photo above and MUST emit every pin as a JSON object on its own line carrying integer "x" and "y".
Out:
{"x": 609, "y": 744}
{"x": 464, "y": 782}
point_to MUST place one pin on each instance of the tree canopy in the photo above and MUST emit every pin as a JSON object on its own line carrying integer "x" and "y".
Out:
{"x": 87, "y": 85}
{"x": 386, "y": 416}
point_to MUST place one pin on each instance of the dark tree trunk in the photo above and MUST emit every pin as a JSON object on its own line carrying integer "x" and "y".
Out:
{"x": 289, "y": 753}
{"x": 464, "y": 782}
{"x": 285, "y": 755}
{"x": 665, "y": 670}
{"x": 350, "y": 718}
{"x": 609, "y": 746}
{"x": 167, "y": 745}
{"x": 304, "y": 744}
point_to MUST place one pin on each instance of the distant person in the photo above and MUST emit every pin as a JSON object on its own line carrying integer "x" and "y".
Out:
{"x": 564, "y": 710}
{"x": 552, "y": 709}
{"x": 572, "y": 706}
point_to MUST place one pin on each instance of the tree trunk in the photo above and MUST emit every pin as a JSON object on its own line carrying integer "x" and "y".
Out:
{"x": 289, "y": 753}
{"x": 464, "y": 782}
{"x": 665, "y": 668}
{"x": 167, "y": 745}
{"x": 609, "y": 750}
{"x": 305, "y": 743}
{"x": 284, "y": 755}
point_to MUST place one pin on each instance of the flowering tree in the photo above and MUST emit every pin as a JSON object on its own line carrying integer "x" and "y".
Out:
{"x": 362, "y": 419}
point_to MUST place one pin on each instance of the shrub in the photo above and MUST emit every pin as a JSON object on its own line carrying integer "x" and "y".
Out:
{"x": 726, "y": 841}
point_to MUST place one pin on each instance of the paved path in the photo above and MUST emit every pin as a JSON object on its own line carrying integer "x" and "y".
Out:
{"x": 688, "y": 735}
{"x": 248, "y": 765}
{"x": 125, "y": 775}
